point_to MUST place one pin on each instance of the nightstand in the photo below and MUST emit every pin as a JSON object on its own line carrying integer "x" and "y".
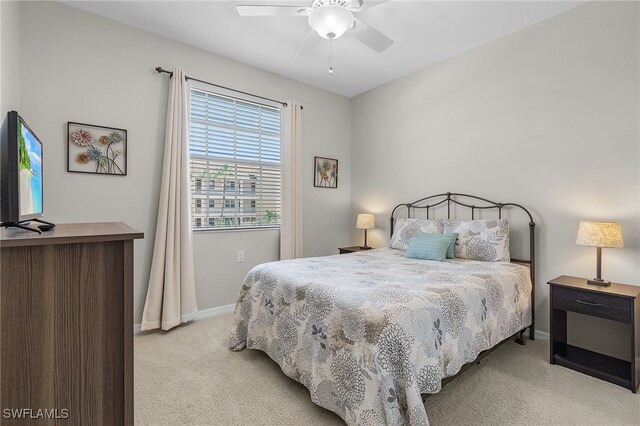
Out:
{"x": 618, "y": 302}
{"x": 353, "y": 249}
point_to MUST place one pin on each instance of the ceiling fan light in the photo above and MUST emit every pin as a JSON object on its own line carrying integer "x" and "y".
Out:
{"x": 331, "y": 21}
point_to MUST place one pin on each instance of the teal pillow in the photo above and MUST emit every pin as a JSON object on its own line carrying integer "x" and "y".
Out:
{"x": 451, "y": 252}
{"x": 429, "y": 247}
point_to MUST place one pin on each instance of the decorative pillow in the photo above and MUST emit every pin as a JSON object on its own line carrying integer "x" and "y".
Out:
{"x": 405, "y": 229}
{"x": 429, "y": 247}
{"x": 486, "y": 240}
{"x": 451, "y": 249}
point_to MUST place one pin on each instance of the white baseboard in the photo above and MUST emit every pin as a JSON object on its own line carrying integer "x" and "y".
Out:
{"x": 214, "y": 312}
{"x": 542, "y": 335}
{"x": 205, "y": 313}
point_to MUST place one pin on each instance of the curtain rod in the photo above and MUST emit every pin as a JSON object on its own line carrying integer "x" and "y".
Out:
{"x": 160, "y": 70}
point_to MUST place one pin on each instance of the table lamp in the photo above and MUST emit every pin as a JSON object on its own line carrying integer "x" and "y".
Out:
{"x": 365, "y": 221}
{"x": 599, "y": 235}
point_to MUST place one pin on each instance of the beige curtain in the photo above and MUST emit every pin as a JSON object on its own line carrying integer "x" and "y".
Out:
{"x": 171, "y": 295}
{"x": 291, "y": 146}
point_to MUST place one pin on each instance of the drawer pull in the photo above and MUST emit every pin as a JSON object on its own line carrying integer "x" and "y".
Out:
{"x": 588, "y": 303}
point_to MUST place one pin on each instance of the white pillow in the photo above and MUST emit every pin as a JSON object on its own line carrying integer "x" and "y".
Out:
{"x": 486, "y": 240}
{"x": 405, "y": 229}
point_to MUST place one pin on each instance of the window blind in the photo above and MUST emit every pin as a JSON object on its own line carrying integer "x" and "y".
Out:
{"x": 235, "y": 162}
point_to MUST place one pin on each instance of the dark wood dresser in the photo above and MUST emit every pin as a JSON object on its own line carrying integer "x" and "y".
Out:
{"x": 67, "y": 324}
{"x": 618, "y": 302}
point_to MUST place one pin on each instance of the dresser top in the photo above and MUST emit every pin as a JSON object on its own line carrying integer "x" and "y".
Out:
{"x": 624, "y": 290}
{"x": 69, "y": 233}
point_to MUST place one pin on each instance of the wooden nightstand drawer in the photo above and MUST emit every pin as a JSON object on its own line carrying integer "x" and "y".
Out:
{"x": 607, "y": 306}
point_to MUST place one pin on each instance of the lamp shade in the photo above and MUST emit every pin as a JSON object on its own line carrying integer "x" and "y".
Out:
{"x": 600, "y": 234}
{"x": 366, "y": 221}
{"x": 331, "y": 21}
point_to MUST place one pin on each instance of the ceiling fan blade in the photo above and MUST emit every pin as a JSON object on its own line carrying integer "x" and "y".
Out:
{"x": 272, "y": 10}
{"x": 360, "y": 5}
{"x": 309, "y": 46}
{"x": 369, "y": 36}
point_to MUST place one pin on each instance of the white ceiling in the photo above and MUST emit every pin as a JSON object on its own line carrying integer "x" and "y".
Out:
{"x": 425, "y": 32}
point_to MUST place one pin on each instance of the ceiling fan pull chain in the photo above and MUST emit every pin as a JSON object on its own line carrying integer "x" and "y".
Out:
{"x": 330, "y": 58}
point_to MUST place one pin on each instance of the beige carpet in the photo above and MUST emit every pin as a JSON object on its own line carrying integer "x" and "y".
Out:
{"x": 188, "y": 376}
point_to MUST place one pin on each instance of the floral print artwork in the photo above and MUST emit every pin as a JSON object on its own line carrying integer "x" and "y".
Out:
{"x": 96, "y": 149}
{"x": 326, "y": 172}
{"x": 369, "y": 332}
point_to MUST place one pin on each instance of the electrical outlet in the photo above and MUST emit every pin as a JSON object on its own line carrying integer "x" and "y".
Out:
{"x": 240, "y": 256}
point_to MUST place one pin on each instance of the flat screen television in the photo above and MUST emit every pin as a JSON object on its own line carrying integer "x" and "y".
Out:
{"x": 21, "y": 173}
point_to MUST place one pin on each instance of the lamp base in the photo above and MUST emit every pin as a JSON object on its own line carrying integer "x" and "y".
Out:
{"x": 599, "y": 282}
{"x": 365, "y": 248}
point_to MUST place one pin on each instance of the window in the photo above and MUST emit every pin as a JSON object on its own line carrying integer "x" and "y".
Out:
{"x": 198, "y": 222}
{"x": 235, "y": 144}
{"x": 230, "y": 221}
{"x": 198, "y": 203}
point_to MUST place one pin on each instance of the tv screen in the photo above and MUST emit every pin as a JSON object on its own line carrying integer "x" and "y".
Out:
{"x": 21, "y": 172}
{"x": 30, "y": 175}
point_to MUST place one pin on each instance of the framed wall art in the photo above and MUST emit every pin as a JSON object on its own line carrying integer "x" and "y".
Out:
{"x": 325, "y": 172}
{"x": 96, "y": 149}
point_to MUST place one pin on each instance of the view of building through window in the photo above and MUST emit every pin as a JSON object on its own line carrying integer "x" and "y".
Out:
{"x": 235, "y": 162}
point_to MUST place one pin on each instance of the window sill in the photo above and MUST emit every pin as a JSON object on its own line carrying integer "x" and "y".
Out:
{"x": 234, "y": 229}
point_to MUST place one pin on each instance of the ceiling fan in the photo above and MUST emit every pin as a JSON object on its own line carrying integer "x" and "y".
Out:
{"x": 328, "y": 19}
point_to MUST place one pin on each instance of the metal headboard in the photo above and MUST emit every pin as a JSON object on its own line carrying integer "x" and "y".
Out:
{"x": 470, "y": 201}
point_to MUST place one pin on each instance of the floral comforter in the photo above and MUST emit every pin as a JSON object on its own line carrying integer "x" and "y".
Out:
{"x": 367, "y": 333}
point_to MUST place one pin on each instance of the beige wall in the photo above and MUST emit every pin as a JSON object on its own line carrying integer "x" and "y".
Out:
{"x": 9, "y": 57}
{"x": 80, "y": 67}
{"x": 547, "y": 117}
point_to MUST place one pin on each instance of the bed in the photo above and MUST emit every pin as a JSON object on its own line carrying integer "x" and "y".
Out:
{"x": 370, "y": 333}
